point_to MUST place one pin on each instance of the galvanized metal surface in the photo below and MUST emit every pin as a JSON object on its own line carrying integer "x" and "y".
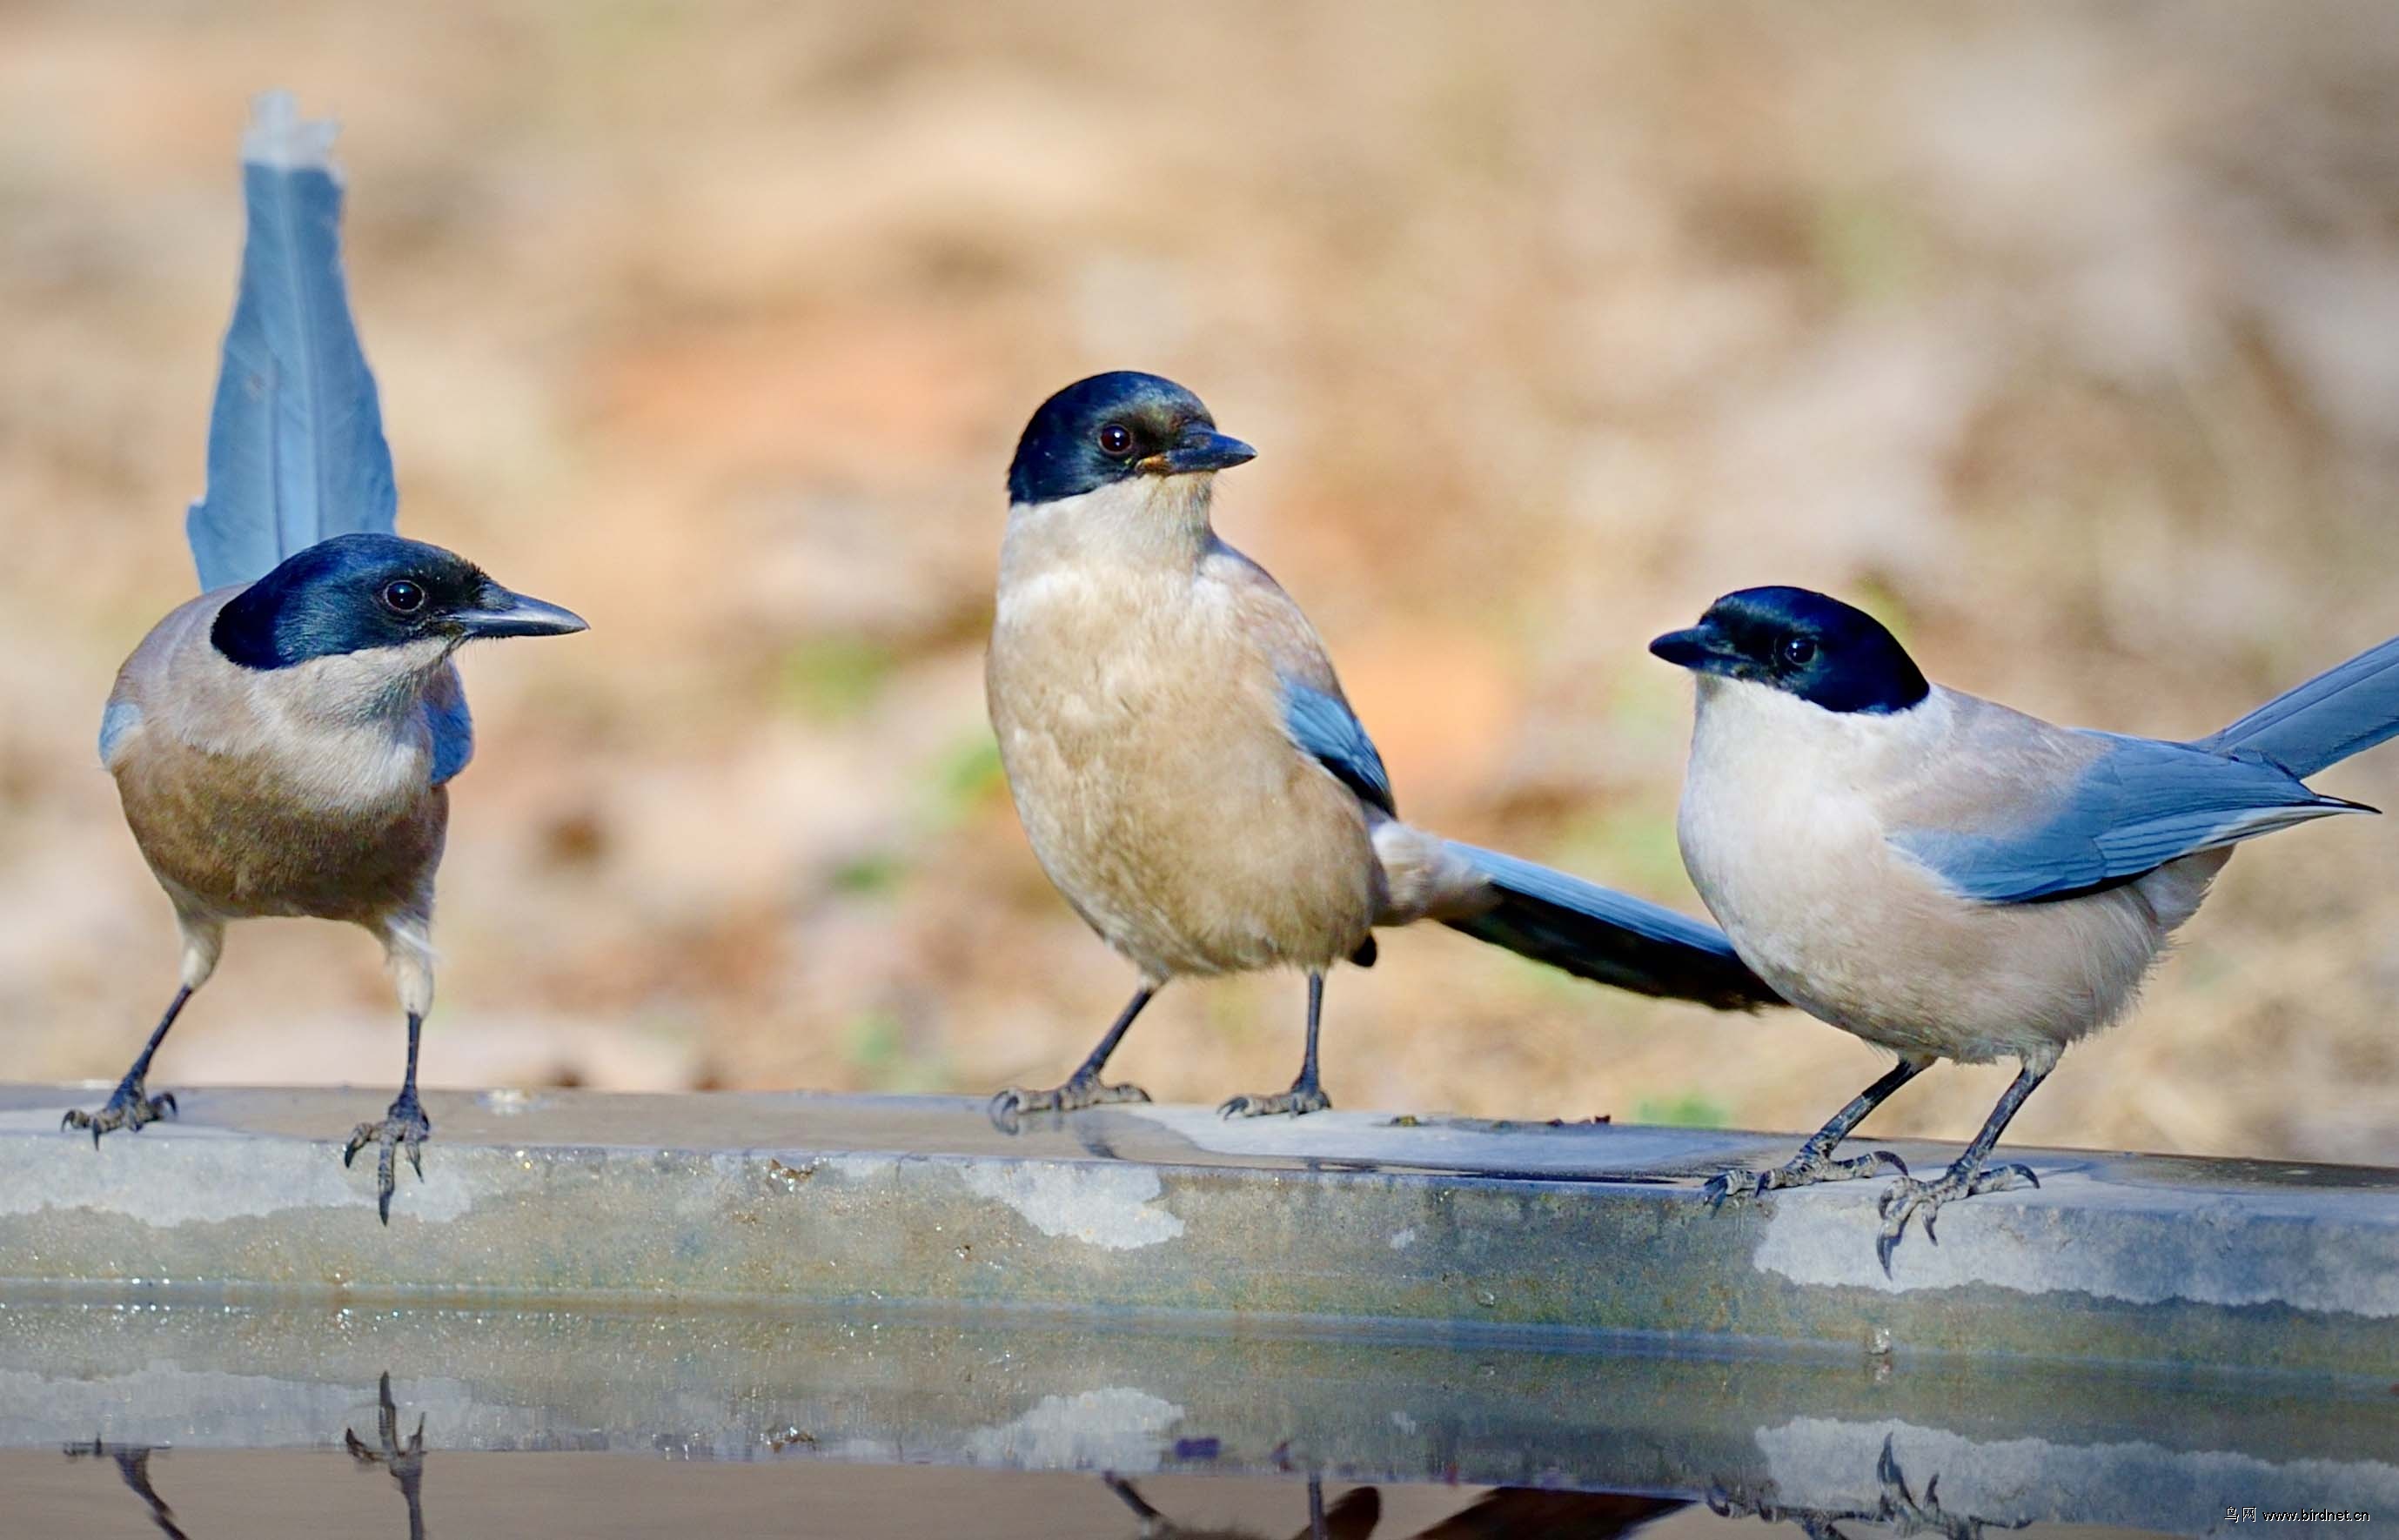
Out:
{"x": 798, "y": 1200}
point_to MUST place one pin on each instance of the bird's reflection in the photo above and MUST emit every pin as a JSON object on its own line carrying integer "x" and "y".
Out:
{"x": 1896, "y": 1507}
{"x": 1507, "y": 1513}
{"x": 406, "y": 1462}
{"x": 133, "y": 1464}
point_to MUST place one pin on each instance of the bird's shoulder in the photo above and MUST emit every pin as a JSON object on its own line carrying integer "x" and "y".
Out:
{"x": 155, "y": 676}
{"x": 1268, "y": 620}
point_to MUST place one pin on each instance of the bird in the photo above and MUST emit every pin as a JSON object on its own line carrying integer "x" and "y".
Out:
{"x": 284, "y": 744}
{"x": 1949, "y": 879}
{"x": 1352, "y": 1516}
{"x": 1192, "y": 779}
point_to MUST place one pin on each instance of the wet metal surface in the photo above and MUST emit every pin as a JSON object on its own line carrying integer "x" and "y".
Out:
{"x": 1446, "y": 1226}
{"x": 1932, "y": 1442}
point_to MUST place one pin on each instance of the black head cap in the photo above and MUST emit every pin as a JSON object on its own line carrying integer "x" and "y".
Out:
{"x": 355, "y": 593}
{"x": 1112, "y": 427}
{"x": 1803, "y": 643}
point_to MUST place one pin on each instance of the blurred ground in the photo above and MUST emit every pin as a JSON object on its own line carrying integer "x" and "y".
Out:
{"x": 2067, "y": 338}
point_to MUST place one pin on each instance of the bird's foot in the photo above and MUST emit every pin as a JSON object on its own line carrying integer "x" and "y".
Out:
{"x": 1808, "y": 1168}
{"x": 1083, "y": 1090}
{"x": 1305, "y": 1096}
{"x": 1909, "y": 1198}
{"x": 405, "y": 1127}
{"x": 402, "y": 1460}
{"x": 1898, "y": 1507}
{"x": 130, "y": 1107}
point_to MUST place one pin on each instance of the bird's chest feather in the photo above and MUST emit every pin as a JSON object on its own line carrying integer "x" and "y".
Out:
{"x": 1788, "y": 848}
{"x": 266, "y": 794}
{"x": 1144, "y": 748}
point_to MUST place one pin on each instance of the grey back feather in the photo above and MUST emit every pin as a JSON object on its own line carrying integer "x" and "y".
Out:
{"x": 296, "y": 451}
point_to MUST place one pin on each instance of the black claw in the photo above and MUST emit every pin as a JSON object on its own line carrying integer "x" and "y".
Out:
{"x": 1884, "y": 1245}
{"x": 1886, "y": 1157}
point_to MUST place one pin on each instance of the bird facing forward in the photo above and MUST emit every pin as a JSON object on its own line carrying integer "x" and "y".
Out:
{"x": 1192, "y": 779}
{"x": 283, "y": 745}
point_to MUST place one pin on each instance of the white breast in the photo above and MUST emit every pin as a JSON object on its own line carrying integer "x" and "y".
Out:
{"x": 1783, "y": 831}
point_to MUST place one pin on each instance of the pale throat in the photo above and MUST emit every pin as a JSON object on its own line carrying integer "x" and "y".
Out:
{"x": 1141, "y": 522}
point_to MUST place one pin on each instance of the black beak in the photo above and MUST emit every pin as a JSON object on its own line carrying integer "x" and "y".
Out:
{"x": 1199, "y": 449}
{"x": 498, "y": 613}
{"x": 1702, "y": 649}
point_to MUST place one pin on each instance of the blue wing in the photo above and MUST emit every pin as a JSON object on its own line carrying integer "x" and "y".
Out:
{"x": 296, "y": 451}
{"x": 2138, "y": 803}
{"x": 453, "y": 730}
{"x": 1323, "y": 725}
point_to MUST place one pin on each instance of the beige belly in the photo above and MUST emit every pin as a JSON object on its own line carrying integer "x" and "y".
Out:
{"x": 1815, "y": 898}
{"x": 1159, "y": 792}
{"x": 216, "y": 832}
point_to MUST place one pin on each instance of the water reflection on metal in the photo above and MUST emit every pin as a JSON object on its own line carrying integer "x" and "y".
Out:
{"x": 1586, "y": 1441}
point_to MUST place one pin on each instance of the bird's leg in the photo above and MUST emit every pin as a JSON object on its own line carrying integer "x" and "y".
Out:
{"x": 1968, "y": 1177}
{"x": 406, "y": 1462}
{"x": 1084, "y": 1087}
{"x": 1814, "y": 1162}
{"x": 403, "y": 1125}
{"x": 1152, "y": 1522}
{"x": 133, "y": 1468}
{"x": 131, "y": 1104}
{"x": 1306, "y": 1095}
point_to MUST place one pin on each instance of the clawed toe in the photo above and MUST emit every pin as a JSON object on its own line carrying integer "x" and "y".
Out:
{"x": 1805, "y": 1169}
{"x": 403, "y": 1129}
{"x": 1011, "y": 1105}
{"x": 129, "y": 1109}
{"x": 1296, "y": 1101}
{"x": 1909, "y": 1198}
{"x": 1732, "y": 1186}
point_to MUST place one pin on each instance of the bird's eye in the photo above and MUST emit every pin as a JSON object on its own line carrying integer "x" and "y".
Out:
{"x": 1116, "y": 439}
{"x": 404, "y": 597}
{"x": 1799, "y": 650}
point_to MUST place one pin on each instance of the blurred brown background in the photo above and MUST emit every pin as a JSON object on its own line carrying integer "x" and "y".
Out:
{"x": 2068, "y": 339}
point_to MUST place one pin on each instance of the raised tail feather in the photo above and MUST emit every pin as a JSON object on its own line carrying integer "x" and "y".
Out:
{"x": 296, "y": 451}
{"x": 2341, "y": 712}
{"x": 1608, "y": 936}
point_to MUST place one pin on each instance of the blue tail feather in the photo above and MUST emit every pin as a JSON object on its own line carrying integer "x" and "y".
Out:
{"x": 2341, "y": 712}
{"x": 1612, "y": 938}
{"x": 296, "y": 450}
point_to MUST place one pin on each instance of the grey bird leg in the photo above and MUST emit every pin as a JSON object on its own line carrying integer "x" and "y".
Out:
{"x": 1083, "y": 1088}
{"x": 406, "y": 1462}
{"x": 1814, "y": 1162}
{"x": 131, "y": 1105}
{"x": 1306, "y": 1095}
{"x": 1151, "y": 1520}
{"x": 403, "y": 1124}
{"x": 133, "y": 1466}
{"x": 1967, "y": 1178}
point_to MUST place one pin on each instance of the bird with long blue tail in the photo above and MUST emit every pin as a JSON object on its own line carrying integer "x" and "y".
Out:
{"x": 284, "y": 743}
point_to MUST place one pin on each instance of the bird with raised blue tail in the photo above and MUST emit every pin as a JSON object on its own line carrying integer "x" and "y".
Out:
{"x": 284, "y": 743}
{"x": 1190, "y": 775}
{"x": 1949, "y": 879}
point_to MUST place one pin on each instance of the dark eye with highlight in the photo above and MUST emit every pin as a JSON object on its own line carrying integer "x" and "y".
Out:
{"x": 404, "y": 597}
{"x": 1799, "y": 650}
{"x": 1116, "y": 439}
